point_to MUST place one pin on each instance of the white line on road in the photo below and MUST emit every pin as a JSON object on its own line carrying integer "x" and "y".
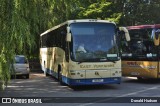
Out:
{"x": 133, "y": 93}
{"x": 124, "y": 95}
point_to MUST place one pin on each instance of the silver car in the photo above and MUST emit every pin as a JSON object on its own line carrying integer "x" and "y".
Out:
{"x": 21, "y": 66}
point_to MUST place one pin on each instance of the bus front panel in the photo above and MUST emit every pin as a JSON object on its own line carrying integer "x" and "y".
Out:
{"x": 93, "y": 73}
{"x": 147, "y": 69}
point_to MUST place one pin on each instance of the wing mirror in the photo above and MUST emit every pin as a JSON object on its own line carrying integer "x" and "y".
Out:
{"x": 156, "y": 38}
{"x": 69, "y": 36}
{"x": 127, "y": 36}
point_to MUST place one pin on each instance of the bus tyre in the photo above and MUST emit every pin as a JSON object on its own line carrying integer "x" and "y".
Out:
{"x": 60, "y": 78}
{"x": 140, "y": 78}
{"x": 27, "y": 76}
{"x": 46, "y": 74}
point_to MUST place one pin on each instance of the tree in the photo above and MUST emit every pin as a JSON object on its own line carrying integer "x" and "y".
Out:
{"x": 21, "y": 21}
{"x": 101, "y": 10}
{"x": 141, "y": 12}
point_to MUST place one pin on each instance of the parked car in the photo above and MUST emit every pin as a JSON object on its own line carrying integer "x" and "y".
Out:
{"x": 21, "y": 66}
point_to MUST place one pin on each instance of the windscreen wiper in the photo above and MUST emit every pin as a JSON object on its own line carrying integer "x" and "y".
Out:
{"x": 80, "y": 62}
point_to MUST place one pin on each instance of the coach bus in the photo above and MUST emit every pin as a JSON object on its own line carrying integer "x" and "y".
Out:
{"x": 82, "y": 52}
{"x": 140, "y": 56}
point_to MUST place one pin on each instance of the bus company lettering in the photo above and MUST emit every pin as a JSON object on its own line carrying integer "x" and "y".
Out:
{"x": 136, "y": 64}
{"x": 85, "y": 66}
{"x": 103, "y": 66}
{"x": 96, "y": 66}
{"x": 133, "y": 64}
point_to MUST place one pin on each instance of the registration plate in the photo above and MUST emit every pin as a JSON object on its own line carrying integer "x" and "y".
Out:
{"x": 135, "y": 73}
{"x": 97, "y": 80}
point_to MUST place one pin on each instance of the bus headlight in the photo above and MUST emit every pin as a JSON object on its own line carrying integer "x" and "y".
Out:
{"x": 113, "y": 74}
{"x": 77, "y": 73}
{"x": 72, "y": 72}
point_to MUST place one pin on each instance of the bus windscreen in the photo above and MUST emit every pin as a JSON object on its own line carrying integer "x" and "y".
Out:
{"x": 141, "y": 46}
{"x": 93, "y": 42}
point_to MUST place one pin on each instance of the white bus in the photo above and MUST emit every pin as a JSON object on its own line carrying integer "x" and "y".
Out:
{"x": 82, "y": 52}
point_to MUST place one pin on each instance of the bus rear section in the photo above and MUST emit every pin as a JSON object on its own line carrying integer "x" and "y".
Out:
{"x": 82, "y": 52}
{"x": 140, "y": 56}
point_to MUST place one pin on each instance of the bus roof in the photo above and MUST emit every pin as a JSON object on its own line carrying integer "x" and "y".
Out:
{"x": 75, "y": 21}
{"x": 143, "y": 26}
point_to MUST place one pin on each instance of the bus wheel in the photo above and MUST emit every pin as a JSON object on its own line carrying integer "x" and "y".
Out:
{"x": 27, "y": 76}
{"x": 45, "y": 73}
{"x": 60, "y": 76}
{"x": 140, "y": 78}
